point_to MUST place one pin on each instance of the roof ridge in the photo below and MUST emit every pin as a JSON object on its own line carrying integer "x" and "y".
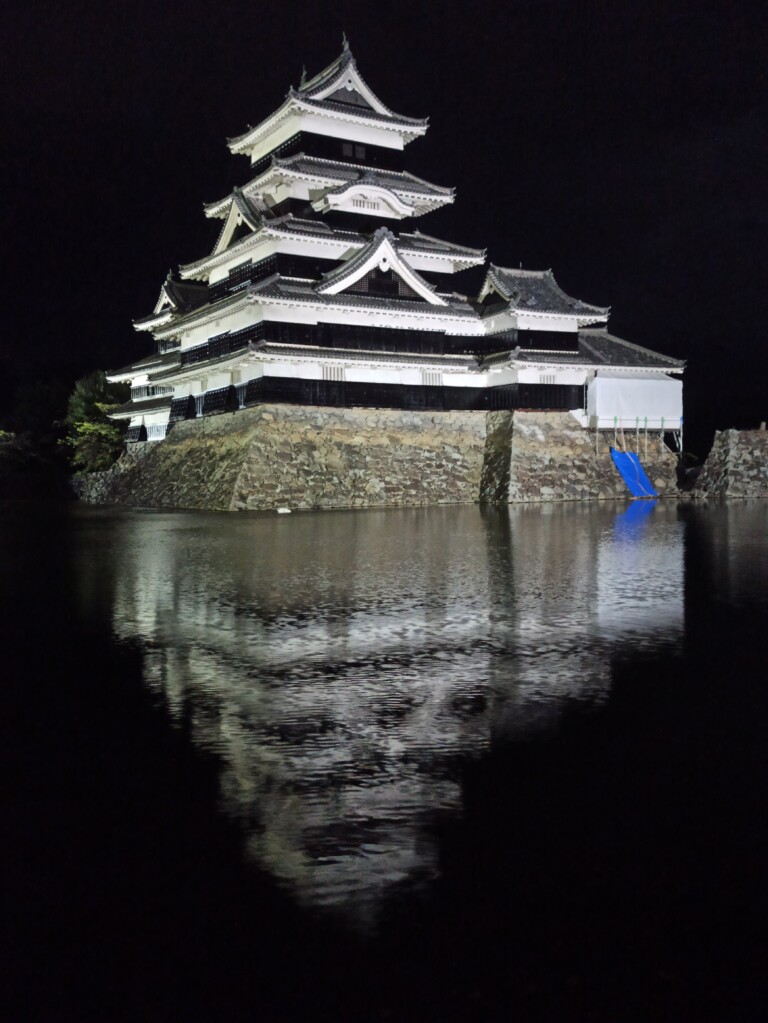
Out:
{"x": 519, "y": 272}
{"x": 441, "y": 241}
{"x": 325, "y": 76}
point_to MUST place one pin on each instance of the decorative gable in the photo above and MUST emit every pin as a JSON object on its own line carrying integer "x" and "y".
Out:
{"x": 366, "y": 197}
{"x": 379, "y": 257}
{"x": 341, "y": 82}
{"x": 240, "y": 219}
{"x": 164, "y": 302}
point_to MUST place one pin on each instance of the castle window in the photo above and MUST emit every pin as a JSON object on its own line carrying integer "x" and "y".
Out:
{"x": 333, "y": 372}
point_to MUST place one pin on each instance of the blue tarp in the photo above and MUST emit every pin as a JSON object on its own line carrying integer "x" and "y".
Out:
{"x": 633, "y": 473}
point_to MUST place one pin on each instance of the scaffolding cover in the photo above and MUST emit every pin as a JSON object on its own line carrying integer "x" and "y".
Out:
{"x": 633, "y": 474}
{"x": 636, "y": 401}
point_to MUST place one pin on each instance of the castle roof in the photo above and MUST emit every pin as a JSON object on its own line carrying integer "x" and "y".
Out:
{"x": 176, "y": 298}
{"x": 608, "y": 350}
{"x": 382, "y": 252}
{"x": 596, "y": 348}
{"x": 536, "y": 291}
{"x": 134, "y": 408}
{"x": 150, "y": 364}
{"x": 420, "y": 242}
{"x": 300, "y": 292}
{"x": 289, "y": 226}
{"x": 340, "y": 93}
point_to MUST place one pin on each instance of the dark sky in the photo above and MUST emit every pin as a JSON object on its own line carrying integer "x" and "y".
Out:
{"x": 625, "y": 145}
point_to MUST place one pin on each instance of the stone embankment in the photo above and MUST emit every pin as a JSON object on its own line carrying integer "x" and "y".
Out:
{"x": 737, "y": 465}
{"x": 548, "y": 456}
{"x": 299, "y": 457}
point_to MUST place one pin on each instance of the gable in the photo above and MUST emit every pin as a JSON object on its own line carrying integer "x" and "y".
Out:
{"x": 379, "y": 269}
{"x": 164, "y": 302}
{"x": 350, "y": 98}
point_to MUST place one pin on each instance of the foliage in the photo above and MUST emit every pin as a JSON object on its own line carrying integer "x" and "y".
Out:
{"x": 95, "y": 441}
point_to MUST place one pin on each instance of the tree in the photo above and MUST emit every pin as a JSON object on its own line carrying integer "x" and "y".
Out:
{"x": 94, "y": 440}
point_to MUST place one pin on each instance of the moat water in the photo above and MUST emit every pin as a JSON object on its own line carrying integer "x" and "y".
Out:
{"x": 398, "y": 764}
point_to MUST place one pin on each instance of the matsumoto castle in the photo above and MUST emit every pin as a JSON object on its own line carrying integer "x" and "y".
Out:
{"x": 321, "y": 291}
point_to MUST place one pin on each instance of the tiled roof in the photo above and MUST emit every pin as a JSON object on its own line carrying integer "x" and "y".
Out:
{"x": 291, "y": 288}
{"x": 310, "y": 86}
{"x": 137, "y": 407}
{"x": 300, "y": 225}
{"x": 187, "y": 295}
{"x": 334, "y": 73}
{"x": 308, "y": 95}
{"x": 183, "y": 296}
{"x": 148, "y": 364}
{"x": 596, "y": 348}
{"x": 554, "y": 358}
{"x": 538, "y": 291}
{"x": 607, "y": 350}
{"x": 394, "y": 180}
{"x": 221, "y": 306}
{"x": 426, "y": 243}
{"x": 343, "y": 108}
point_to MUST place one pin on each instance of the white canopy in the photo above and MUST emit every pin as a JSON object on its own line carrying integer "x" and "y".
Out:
{"x": 652, "y": 402}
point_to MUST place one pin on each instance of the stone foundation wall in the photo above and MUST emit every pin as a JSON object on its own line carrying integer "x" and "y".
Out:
{"x": 356, "y": 458}
{"x": 551, "y": 458}
{"x": 298, "y": 457}
{"x": 737, "y": 465}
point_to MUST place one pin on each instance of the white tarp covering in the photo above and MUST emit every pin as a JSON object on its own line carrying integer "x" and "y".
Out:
{"x": 645, "y": 401}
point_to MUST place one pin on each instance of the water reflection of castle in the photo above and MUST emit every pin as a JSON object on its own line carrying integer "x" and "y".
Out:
{"x": 341, "y": 665}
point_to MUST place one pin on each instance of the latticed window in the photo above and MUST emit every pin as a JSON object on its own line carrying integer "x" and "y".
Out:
{"x": 432, "y": 378}
{"x": 384, "y": 283}
{"x": 149, "y": 391}
{"x": 331, "y": 372}
{"x": 546, "y": 378}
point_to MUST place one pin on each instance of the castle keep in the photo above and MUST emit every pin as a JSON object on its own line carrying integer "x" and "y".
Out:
{"x": 321, "y": 293}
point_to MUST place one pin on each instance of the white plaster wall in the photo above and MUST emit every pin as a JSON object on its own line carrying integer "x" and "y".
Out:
{"x": 350, "y": 132}
{"x": 215, "y": 380}
{"x": 531, "y": 321}
{"x": 364, "y": 375}
{"x": 298, "y": 121}
{"x": 562, "y": 376}
{"x": 467, "y": 379}
{"x": 303, "y": 371}
{"x": 501, "y": 377}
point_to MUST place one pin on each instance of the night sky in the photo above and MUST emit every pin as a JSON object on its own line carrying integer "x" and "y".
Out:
{"x": 625, "y": 145}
